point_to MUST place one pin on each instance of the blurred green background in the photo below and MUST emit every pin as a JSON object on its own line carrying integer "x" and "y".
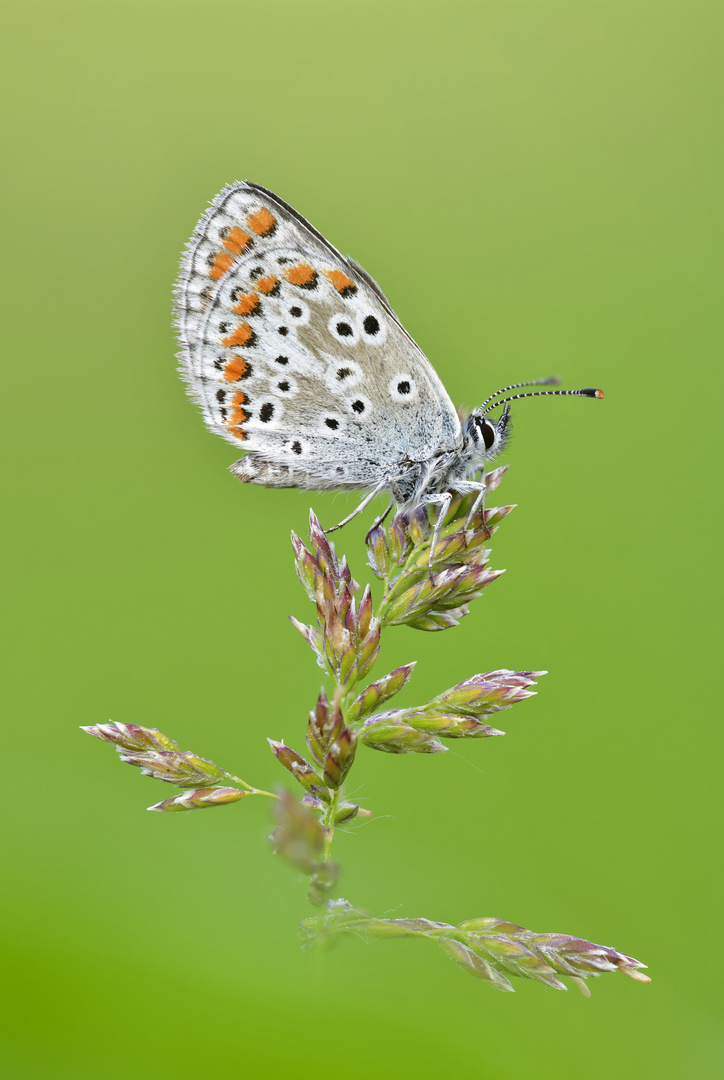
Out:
{"x": 551, "y": 175}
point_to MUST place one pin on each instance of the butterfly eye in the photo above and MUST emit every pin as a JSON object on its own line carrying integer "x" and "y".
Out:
{"x": 488, "y": 432}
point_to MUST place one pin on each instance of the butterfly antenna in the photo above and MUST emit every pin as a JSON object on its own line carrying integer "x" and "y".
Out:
{"x": 552, "y": 380}
{"x": 588, "y": 392}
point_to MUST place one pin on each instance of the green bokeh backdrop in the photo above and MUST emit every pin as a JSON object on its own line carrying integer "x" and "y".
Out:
{"x": 537, "y": 188}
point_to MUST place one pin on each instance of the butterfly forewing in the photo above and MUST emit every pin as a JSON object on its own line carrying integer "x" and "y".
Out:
{"x": 294, "y": 354}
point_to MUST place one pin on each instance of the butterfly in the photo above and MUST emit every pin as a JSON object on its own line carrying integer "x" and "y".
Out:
{"x": 295, "y": 356}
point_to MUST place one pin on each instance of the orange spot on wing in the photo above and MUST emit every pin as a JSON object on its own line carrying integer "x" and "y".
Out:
{"x": 343, "y": 284}
{"x": 247, "y": 304}
{"x": 240, "y": 336}
{"x": 236, "y": 240}
{"x": 220, "y": 264}
{"x": 302, "y": 274}
{"x": 239, "y": 398}
{"x": 238, "y": 433}
{"x": 267, "y": 284}
{"x": 235, "y": 369}
{"x": 262, "y": 222}
{"x": 238, "y": 417}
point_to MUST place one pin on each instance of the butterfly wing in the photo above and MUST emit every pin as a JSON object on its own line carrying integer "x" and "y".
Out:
{"x": 295, "y": 355}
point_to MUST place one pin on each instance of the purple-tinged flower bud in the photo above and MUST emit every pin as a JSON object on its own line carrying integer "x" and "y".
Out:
{"x": 378, "y": 555}
{"x": 369, "y": 650}
{"x": 325, "y": 725}
{"x": 343, "y": 600}
{"x": 451, "y": 588}
{"x": 448, "y": 725}
{"x": 474, "y": 551}
{"x": 447, "y": 549}
{"x": 495, "y": 515}
{"x": 300, "y": 769}
{"x": 339, "y": 758}
{"x": 347, "y": 668}
{"x": 322, "y": 548}
{"x": 345, "y": 576}
{"x": 313, "y": 803}
{"x": 337, "y": 639}
{"x": 490, "y": 924}
{"x": 306, "y": 566}
{"x": 348, "y": 615}
{"x": 418, "y": 528}
{"x": 131, "y": 737}
{"x": 397, "y": 542}
{"x": 346, "y": 811}
{"x": 476, "y": 965}
{"x": 325, "y": 598}
{"x": 201, "y": 799}
{"x": 487, "y": 692}
{"x": 413, "y": 575}
{"x": 439, "y": 620}
{"x": 493, "y": 478}
{"x": 377, "y": 693}
{"x": 365, "y": 612}
{"x": 394, "y": 737}
{"x": 174, "y": 767}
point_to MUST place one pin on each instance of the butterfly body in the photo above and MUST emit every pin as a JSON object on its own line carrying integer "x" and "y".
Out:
{"x": 295, "y": 356}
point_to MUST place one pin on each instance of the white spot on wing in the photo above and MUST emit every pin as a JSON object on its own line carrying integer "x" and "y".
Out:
{"x": 403, "y": 387}
{"x": 343, "y": 329}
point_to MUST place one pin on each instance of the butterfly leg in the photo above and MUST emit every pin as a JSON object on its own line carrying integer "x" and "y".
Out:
{"x": 443, "y": 500}
{"x": 465, "y": 488}
{"x": 387, "y": 482}
{"x": 379, "y": 520}
{"x": 479, "y": 503}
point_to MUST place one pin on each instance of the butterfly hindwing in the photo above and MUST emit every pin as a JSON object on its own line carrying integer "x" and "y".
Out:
{"x": 295, "y": 355}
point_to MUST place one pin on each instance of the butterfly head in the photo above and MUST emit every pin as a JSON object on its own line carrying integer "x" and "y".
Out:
{"x": 487, "y": 436}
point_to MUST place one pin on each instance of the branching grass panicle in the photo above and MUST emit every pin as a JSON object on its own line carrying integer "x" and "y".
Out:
{"x": 428, "y": 589}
